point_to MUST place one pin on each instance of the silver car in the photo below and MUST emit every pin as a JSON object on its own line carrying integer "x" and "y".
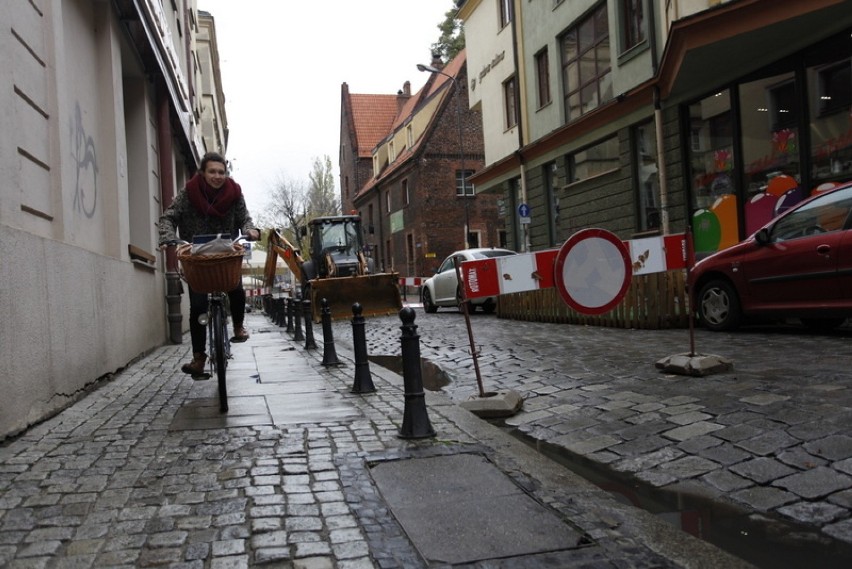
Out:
{"x": 443, "y": 289}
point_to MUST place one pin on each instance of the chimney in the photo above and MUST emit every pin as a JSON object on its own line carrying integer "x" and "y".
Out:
{"x": 437, "y": 63}
{"x": 402, "y": 96}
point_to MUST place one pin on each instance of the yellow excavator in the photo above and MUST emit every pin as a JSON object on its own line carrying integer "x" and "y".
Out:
{"x": 337, "y": 269}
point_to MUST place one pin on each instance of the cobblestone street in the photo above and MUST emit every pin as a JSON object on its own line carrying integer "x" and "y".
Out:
{"x": 769, "y": 437}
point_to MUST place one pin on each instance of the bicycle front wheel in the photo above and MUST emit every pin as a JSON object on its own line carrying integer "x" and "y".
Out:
{"x": 220, "y": 360}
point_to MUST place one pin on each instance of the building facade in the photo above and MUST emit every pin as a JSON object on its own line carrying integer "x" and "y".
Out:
{"x": 99, "y": 108}
{"x": 644, "y": 117}
{"x": 406, "y": 161}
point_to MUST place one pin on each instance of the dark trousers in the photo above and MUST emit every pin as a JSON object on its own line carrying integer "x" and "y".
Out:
{"x": 198, "y": 306}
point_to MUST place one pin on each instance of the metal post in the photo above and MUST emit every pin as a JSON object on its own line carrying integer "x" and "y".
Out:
{"x": 297, "y": 321}
{"x": 415, "y": 420}
{"x": 288, "y": 303}
{"x": 466, "y": 311}
{"x": 329, "y": 353}
{"x": 310, "y": 343}
{"x": 363, "y": 377}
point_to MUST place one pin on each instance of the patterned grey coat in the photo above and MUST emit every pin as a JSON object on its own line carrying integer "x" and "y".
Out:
{"x": 182, "y": 220}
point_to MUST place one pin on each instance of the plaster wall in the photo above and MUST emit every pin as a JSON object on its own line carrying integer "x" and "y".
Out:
{"x": 76, "y": 307}
{"x": 490, "y": 62}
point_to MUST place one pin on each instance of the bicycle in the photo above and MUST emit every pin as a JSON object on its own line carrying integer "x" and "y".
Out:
{"x": 214, "y": 273}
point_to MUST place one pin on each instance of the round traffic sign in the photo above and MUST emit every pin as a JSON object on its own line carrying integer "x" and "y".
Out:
{"x": 592, "y": 271}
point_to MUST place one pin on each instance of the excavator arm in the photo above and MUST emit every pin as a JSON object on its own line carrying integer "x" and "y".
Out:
{"x": 277, "y": 245}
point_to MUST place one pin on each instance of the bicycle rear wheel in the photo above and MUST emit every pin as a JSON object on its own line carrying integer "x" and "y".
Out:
{"x": 220, "y": 358}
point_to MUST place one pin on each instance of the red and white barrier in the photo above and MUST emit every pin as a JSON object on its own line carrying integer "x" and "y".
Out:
{"x": 533, "y": 271}
{"x": 411, "y": 281}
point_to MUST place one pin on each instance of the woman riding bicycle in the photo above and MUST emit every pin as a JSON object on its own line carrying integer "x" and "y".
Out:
{"x": 211, "y": 202}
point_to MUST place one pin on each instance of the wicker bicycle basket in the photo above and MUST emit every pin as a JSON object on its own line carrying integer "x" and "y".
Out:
{"x": 216, "y": 272}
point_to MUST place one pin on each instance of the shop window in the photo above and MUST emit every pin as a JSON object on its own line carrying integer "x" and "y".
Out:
{"x": 830, "y": 101}
{"x": 769, "y": 122}
{"x": 593, "y": 160}
{"x": 647, "y": 178}
{"x": 711, "y": 163}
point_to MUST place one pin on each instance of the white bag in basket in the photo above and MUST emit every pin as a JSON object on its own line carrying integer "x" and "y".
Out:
{"x": 220, "y": 245}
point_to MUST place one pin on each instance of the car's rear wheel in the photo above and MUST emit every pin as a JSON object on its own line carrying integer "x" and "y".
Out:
{"x": 719, "y": 306}
{"x": 822, "y": 324}
{"x": 428, "y": 305}
{"x": 489, "y": 306}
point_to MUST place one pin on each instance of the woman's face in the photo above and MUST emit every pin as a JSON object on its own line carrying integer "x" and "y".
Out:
{"x": 215, "y": 174}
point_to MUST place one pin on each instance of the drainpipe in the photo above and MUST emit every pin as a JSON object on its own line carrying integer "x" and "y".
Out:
{"x": 517, "y": 23}
{"x": 174, "y": 289}
{"x": 661, "y": 164}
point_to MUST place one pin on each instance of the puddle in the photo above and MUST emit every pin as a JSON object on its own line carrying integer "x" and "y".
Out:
{"x": 434, "y": 378}
{"x": 759, "y": 539}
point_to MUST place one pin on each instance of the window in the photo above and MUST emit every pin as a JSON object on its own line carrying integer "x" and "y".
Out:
{"x": 387, "y": 201}
{"x": 593, "y": 160}
{"x": 830, "y": 101}
{"x": 409, "y": 135}
{"x": 505, "y": 13}
{"x": 405, "y": 192}
{"x": 632, "y": 23}
{"x": 835, "y": 88}
{"x": 647, "y": 178}
{"x": 586, "y": 77}
{"x": 473, "y": 239}
{"x": 391, "y": 151}
{"x": 542, "y": 78}
{"x": 509, "y": 100}
{"x": 463, "y": 187}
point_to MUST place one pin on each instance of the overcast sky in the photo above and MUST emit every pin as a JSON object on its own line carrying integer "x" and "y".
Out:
{"x": 282, "y": 65}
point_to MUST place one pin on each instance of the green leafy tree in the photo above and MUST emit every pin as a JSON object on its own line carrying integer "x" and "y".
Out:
{"x": 451, "y": 41}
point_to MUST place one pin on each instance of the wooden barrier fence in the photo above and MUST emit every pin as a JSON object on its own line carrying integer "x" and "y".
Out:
{"x": 653, "y": 301}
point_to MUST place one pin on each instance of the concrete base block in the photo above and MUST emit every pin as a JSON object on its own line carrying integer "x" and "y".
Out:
{"x": 695, "y": 364}
{"x": 494, "y": 404}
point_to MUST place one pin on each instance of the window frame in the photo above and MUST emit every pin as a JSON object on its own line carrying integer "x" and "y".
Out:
{"x": 468, "y": 187}
{"x": 510, "y": 110}
{"x": 505, "y": 12}
{"x": 542, "y": 71}
{"x": 574, "y": 64}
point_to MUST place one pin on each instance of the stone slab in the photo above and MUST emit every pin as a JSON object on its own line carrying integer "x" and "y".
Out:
{"x": 462, "y": 509}
{"x": 495, "y": 404}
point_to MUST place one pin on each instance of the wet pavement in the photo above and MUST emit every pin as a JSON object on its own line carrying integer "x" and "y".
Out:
{"x": 302, "y": 473}
{"x": 765, "y": 449}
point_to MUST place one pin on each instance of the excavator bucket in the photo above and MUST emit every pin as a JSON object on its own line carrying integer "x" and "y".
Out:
{"x": 377, "y": 294}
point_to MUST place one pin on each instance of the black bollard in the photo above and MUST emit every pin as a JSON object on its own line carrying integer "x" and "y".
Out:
{"x": 310, "y": 343}
{"x": 297, "y": 320}
{"x": 329, "y": 353}
{"x": 288, "y": 311}
{"x": 363, "y": 377}
{"x": 415, "y": 420}
{"x": 279, "y": 311}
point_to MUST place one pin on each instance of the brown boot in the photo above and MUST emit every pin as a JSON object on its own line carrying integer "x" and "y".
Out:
{"x": 240, "y": 334}
{"x": 195, "y": 368}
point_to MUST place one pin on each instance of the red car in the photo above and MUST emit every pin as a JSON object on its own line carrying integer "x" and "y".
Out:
{"x": 798, "y": 265}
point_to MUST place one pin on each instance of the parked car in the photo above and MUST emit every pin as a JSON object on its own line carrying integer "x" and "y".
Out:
{"x": 443, "y": 289}
{"x": 799, "y": 265}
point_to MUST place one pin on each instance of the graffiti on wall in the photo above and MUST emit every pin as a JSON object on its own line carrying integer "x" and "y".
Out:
{"x": 86, "y": 158}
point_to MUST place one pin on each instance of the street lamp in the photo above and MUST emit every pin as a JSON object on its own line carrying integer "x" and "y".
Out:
{"x": 430, "y": 69}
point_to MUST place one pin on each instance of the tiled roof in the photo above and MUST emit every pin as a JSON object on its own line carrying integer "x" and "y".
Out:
{"x": 373, "y": 116}
{"x": 377, "y": 116}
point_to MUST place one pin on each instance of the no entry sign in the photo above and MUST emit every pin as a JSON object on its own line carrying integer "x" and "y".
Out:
{"x": 592, "y": 271}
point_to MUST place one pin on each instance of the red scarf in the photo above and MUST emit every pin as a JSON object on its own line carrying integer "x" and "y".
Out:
{"x": 210, "y": 201}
